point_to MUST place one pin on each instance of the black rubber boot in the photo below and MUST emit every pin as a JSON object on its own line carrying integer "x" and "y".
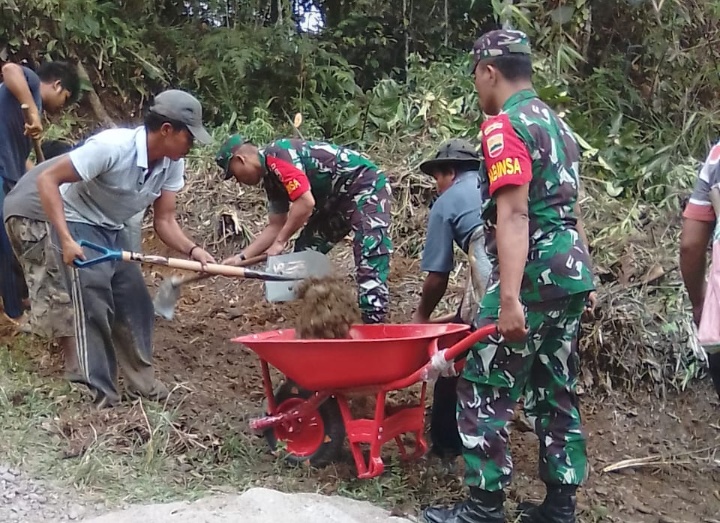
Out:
{"x": 558, "y": 506}
{"x": 444, "y": 432}
{"x": 714, "y": 364}
{"x": 482, "y": 507}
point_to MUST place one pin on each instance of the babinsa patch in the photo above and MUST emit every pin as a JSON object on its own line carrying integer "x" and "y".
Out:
{"x": 495, "y": 145}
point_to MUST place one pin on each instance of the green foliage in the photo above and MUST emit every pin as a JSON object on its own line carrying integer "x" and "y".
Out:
{"x": 636, "y": 80}
{"x": 97, "y": 33}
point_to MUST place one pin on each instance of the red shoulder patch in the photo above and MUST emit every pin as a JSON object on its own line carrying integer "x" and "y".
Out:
{"x": 295, "y": 181}
{"x": 506, "y": 157}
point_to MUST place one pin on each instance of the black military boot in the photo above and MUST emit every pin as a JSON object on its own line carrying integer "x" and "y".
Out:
{"x": 482, "y": 507}
{"x": 558, "y": 506}
{"x": 444, "y": 433}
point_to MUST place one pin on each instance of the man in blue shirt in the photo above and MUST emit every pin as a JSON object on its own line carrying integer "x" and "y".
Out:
{"x": 455, "y": 219}
{"x": 53, "y": 86}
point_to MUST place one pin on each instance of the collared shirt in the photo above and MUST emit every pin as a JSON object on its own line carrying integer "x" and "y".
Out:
{"x": 14, "y": 145}
{"x": 116, "y": 181}
{"x": 293, "y": 167}
{"x": 453, "y": 217}
{"x": 528, "y": 143}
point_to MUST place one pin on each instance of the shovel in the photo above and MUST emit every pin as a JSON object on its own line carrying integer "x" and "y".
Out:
{"x": 39, "y": 157}
{"x": 168, "y": 293}
{"x": 176, "y": 263}
{"x": 305, "y": 263}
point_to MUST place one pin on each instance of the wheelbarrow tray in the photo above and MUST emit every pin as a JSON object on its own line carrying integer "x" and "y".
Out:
{"x": 373, "y": 355}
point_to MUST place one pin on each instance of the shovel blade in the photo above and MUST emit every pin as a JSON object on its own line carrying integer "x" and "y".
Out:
{"x": 304, "y": 264}
{"x": 166, "y": 298}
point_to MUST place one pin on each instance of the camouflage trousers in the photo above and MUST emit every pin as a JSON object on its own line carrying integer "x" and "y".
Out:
{"x": 51, "y": 313}
{"x": 545, "y": 370}
{"x": 364, "y": 210}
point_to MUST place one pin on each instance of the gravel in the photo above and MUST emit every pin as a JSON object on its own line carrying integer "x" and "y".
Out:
{"x": 31, "y": 501}
{"x": 27, "y": 500}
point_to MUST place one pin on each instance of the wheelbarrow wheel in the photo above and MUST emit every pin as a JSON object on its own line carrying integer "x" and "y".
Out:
{"x": 317, "y": 439}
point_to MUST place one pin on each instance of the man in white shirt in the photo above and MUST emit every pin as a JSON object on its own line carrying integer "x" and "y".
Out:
{"x": 113, "y": 176}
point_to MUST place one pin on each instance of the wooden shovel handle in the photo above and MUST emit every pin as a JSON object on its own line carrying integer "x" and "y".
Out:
{"x": 197, "y": 277}
{"x": 36, "y": 143}
{"x": 212, "y": 268}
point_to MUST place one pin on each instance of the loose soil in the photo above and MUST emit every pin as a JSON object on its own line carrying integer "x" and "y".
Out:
{"x": 328, "y": 308}
{"x": 217, "y": 387}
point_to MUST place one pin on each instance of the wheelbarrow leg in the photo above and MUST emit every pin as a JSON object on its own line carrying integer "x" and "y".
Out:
{"x": 359, "y": 431}
{"x": 375, "y": 462}
{"x": 421, "y": 446}
{"x": 413, "y": 423}
{"x": 384, "y": 427}
{"x": 267, "y": 385}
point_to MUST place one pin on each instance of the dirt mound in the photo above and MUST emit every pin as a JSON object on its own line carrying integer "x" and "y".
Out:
{"x": 328, "y": 309}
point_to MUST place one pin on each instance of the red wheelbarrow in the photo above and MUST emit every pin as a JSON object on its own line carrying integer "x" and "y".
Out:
{"x": 310, "y": 414}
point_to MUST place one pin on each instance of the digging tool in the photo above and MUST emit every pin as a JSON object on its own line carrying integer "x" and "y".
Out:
{"x": 36, "y": 143}
{"x": 296, "y": 123}
{"x": 308, "y": 263}
{"x": 168, "y": 293}
{"x": 176, "y": 263}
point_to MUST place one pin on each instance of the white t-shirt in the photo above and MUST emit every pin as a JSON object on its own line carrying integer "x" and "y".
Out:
{"x": 116, "y": 183}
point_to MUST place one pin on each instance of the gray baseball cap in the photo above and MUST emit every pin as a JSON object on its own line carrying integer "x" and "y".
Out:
{"x": 183, "y": 108}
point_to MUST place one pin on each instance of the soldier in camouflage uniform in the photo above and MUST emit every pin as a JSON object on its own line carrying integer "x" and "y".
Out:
{"x": 538, "y": 289}
{"x": 335, "y": 190}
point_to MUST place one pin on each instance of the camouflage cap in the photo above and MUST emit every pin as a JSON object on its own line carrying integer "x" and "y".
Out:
{"x": 455, "y": 151}
{"x": 500, "y": 42}
{"x": 227, "y": 151}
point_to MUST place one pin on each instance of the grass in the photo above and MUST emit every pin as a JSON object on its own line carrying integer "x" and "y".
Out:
{"x": 140, "y": 453}
{"x": 146, "y": 452}
{"x": 120, "y": 460}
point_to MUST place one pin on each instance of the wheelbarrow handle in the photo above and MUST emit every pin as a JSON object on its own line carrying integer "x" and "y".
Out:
{"x": 107, "y": 254}
{"x": 449, "y": 355}
{"x": 468, "y": 341}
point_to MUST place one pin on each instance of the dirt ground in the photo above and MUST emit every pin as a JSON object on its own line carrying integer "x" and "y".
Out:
{"x": 218, "y": 388}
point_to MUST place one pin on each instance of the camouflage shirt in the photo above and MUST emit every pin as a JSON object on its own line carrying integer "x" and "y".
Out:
{"x": 292, "y": 167}
{"x": 528, "y": 143}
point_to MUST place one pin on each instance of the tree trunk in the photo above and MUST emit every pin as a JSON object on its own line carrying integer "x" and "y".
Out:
{"x": 100, "y": 113}
{"x": 505, "y": 15}
{"x": 447, "y": 23}
{"x": 406, "y": 26}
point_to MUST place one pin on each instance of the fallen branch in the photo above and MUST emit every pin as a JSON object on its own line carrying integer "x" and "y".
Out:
{"x": 654, "y": 460}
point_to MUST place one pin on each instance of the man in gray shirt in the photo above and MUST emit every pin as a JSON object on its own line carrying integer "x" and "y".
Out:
{"x": 89, "y": 194}
{"x": 455, "y": 219}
